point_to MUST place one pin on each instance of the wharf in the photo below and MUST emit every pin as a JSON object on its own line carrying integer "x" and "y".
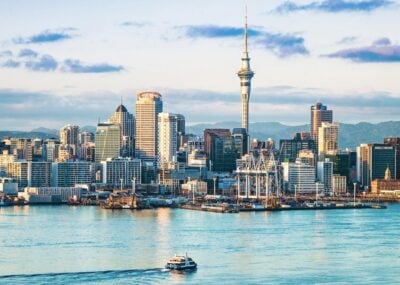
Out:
{"x": 299, "y": 208}
{"x": 221, "y": 209}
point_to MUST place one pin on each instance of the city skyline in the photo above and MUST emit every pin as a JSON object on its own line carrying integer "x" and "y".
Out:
{"x": 83, "y": 59}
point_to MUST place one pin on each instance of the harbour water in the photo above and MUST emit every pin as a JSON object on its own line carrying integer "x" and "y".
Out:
{"x": 89, "y": 245}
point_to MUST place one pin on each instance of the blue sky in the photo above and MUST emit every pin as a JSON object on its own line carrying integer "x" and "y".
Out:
{"x": 70, "y": 62}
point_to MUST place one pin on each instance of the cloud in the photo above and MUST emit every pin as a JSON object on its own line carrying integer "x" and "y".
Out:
{"x": 212, "y": 31}
{"x": 27, "y": 53}
{"x": 348, "y": 40}
{"x": 44, "y": 63}
{"x": 382, "y": 50}
{"x": 6, "y": 53}
{"x": 334, "y": 6}
{"x": 47, "y": 36}
{"x": 382, "y": 42}
{"x": 75, "y": 66}
{"x": 282, "y": 45}
{"x": 134, "y": 24}
{"x": 11, "y": 64}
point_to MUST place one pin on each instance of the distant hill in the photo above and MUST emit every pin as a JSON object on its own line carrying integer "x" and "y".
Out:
{"x": 350, "y": 135}
{"x": 31, "y": 135}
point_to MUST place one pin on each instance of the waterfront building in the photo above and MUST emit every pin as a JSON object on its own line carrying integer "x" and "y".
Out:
{"x": 325, "y": 174}
{"x": 220, "y": 149}
{"x": 107, "y": 141}
{"x": 122, "y": 170}
{"x": 167, "y": 138}
{"x": 245, "y": 74}
{"x": 328, "y": 136}
{"x": 126, "y": 122}
{"x": 68, "y": 174}
{"x": 290, "y": 148}
{"x": 339, "y": 185}
{"x": 372, "y": 162}
{"x": 395, "y": 141}
{"x": 148, "y": 106}
{"x": 386, "y": 185}
{"x": 30, "y": 173}
{"x": 319, "y": 114}
{"x": 302, "y": 177}
{"x": 194, "y": 186}
{"x": 51, "y": 195}
{"x": 8, "y": 186}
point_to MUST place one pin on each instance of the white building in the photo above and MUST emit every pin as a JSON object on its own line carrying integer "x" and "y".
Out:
{"x": 148, "y": 106}
{"x": 67, "y": 174}
{"x": 39, "y": 195}
{"x": 301, "y": 177}
{"x": 167, "y": 138}
{"x": 328, "y": 135}
{"x": 123, "y": 170}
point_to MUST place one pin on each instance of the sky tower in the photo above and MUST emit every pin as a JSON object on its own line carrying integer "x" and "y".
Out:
{"x": 245, "y": 74}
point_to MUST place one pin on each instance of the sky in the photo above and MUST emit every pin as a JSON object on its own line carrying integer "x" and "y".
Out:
{"x": 72, "y": 61}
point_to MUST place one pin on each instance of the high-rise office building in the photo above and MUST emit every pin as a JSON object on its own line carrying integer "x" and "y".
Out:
{"x": 220, "y": 149}
{"x": 180, "y": 129}
{"x": 241, "y": 140}
{"x": 290, "y": 148}
{"x": 107, "y": 141}
{"x": 21, "y": 148}
{"x": 5, "y": 159}
{"x": 245, "y": 74}
{"x": 395, "y": 141}
{"x": 50, "y": 150}
{"x": 325, "y": 174}
{"x": 319, "y": 114}
{"x": 328, "y": 136}
{"x": 126, "y": 121}
{"x": 167, "y": 138}
{"x": 148, "y": 106}
{"x": 69, "y": 136}
{"x": 372, "y": 162}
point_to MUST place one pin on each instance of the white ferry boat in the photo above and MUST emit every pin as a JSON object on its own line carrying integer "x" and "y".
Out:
{"x": 181, "y": 262}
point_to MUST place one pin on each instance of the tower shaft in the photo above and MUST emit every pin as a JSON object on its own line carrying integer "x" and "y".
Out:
{"x": 245, "y": 74}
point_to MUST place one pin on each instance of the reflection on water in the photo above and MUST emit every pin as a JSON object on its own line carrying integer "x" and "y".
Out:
{"x": 103, "y": 246}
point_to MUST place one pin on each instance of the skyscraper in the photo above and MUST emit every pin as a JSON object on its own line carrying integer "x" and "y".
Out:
{"x": 107, "y": 141}
{"x": 319, "y": 114}
{"x": 148, "y": 106}
{"x": 245, "y": 74}
{"x": 126, "y": 121}
{"x": 220, "y": 149}
{"x": 69, "y": 135}
{"x": 167, "y": 137}
{"x": 328, "y": 139}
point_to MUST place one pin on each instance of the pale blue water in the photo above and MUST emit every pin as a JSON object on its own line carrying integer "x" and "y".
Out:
{"x": 89, "y": 245}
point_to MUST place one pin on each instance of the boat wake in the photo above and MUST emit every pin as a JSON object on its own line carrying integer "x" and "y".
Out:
{"x": 142, "y": 276}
